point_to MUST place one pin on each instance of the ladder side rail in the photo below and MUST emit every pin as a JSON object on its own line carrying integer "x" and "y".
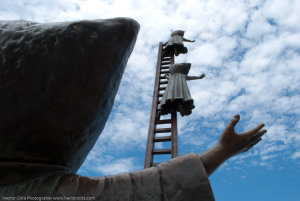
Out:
{"x": 174, "y": 134}
{"x": 150, "y": 144}
{"x": 174, "y": 131}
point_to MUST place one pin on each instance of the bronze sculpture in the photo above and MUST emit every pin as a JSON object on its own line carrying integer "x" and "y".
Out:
{"x": 177, "y": 95}
{"x": 175, "y": 44}
{"x": 55, "y": 101}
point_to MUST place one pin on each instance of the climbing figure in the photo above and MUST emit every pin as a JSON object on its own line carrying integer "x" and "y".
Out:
{"x": 175, "y": 44}
{"x": 177, "y": 95}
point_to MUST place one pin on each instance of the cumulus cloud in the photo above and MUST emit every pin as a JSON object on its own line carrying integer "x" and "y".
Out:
{"x": 249, "y": 51}
{"x": 117, "y": 166}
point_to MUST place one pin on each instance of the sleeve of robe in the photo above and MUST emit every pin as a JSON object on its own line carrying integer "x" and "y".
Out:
{"x": 181, "y": 179}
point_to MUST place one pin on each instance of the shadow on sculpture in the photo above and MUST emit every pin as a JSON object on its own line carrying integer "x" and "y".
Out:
{"x": 57, "y": 87}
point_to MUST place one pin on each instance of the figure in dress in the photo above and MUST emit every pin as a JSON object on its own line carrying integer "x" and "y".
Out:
{"x": 175, "y": 44}
{"x": 177, "y": 95}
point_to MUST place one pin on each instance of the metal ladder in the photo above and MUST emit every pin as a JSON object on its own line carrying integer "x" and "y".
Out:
{"x": 168, "y": 134}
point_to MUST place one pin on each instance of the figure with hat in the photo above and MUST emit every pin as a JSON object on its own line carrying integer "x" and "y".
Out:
{"x": 175, "y": 44}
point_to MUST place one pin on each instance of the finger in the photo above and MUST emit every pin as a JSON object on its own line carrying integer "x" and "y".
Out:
{"x": 233, "y": 121}
{"x": 259, "y": 134}
{"x": 253, "y": 143}
{"x": 254, "y": 130}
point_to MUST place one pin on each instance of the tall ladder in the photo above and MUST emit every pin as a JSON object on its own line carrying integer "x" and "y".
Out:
{"x": 156, "y": 134}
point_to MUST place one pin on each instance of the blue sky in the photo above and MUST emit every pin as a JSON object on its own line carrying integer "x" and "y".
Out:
{"x": 250, "y": 53}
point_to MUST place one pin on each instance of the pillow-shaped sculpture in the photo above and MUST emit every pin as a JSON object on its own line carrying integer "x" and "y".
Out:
{"x": 58, "y": 82}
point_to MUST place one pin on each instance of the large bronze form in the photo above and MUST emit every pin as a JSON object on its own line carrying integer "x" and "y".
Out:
{"x": 58, "y": 82}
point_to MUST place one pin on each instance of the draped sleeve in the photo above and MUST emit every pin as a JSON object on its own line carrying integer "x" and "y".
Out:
{"x": 181, "y": 179}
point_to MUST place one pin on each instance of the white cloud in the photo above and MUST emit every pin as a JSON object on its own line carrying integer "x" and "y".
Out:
{"x": 259, "y": 26}
{"x": 249, "y": 51}
{"x": 117, "y": 166}
{"x": 285, "y": 13}
{"x": 206, "y": 54}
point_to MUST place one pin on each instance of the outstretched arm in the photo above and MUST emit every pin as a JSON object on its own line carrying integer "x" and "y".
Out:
{"x": 230, "y": 144}
{"x": 187, "y": 40}
{"x": 195, "y": 77}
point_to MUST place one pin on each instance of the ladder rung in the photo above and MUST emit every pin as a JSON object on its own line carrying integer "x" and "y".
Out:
{"x": 164, "y": 67}
{"x": 164, "y": 121}
{"x": 161, "y": 151}
{"x": 160, "y": 95}
{"x": 163, "y": 82}
{"x": 162, "y": 139}
{"x": 166, "y": 59}
{"x": 164, "y": 72}
{"x": 154, "y": 164}
{"x": 165, "y": 62}
{"x": 162, "y": 130}
{"x": 162, "y": 88}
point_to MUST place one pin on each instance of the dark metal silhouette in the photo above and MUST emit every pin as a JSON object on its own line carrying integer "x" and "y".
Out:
{"x": 175, "y": 44}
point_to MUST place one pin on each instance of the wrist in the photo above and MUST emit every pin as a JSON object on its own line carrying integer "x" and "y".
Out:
{"x": 214, "y": 157}
{"x": 224, "y": 151}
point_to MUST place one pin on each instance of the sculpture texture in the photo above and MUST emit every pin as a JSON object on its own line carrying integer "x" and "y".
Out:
{"x": 57, "y": 86}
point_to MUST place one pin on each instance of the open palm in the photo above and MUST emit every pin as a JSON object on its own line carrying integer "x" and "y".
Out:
{"x": 238, "y": 143}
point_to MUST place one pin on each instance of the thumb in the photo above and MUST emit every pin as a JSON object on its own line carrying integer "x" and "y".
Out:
{"x": 233, "y": 122}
